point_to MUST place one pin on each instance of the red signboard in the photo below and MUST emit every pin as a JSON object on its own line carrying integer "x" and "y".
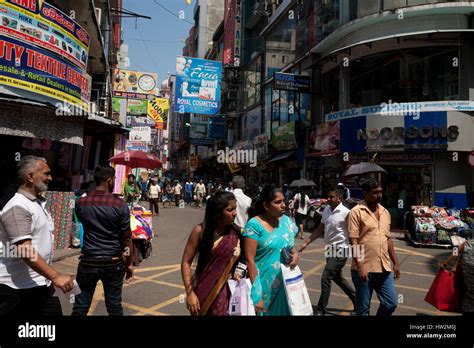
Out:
{"x": 229, "y": 32}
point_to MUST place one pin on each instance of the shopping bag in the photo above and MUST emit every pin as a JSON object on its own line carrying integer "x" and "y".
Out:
{"x": 446, "y": 290}
{"x": 240, "y": 302}
{"x": 296, "y": 291}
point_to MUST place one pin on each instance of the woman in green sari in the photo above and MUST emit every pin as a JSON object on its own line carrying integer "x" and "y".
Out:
{"x": 266, "y": 235}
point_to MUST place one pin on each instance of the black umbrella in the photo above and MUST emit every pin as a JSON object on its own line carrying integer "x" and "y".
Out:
{"x": 302, "y": 183}
{"x": 363, "y": 168}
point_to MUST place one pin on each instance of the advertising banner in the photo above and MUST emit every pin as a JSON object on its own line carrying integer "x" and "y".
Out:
{"x": 36, "y": 70}
{"x": 291, "y": 82}
{"x": 43, "y": 25}
{"x": 198, "y": 84}
{"x": 140, "y": 134}
{"x": 232, "y": 33}
{"x": 199, "y": 131}
{"x": 283, "y": 137}
{"x": 324, "y": 140}
{"x": 157, "y": 110}
{"x": 134, "y": 84}
{"x": 137, "y": 146}
{"x": 216, "y": 127}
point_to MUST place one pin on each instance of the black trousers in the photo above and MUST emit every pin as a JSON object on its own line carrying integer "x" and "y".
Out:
{"x": 333, "y": 272}
{"x": 37, "y": 301}
{"x": 154, "y": 205}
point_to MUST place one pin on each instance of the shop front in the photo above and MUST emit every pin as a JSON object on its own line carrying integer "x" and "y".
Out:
{"x": 425, "y": 156}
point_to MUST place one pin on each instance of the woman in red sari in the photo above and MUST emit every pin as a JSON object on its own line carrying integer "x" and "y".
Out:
{"x": 217, "y": 243}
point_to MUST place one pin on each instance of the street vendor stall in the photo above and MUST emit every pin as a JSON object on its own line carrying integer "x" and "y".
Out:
{"x": 141, "y": 222}
{"x": 437, "y": 226}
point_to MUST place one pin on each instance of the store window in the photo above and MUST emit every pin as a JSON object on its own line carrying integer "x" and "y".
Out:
{"x": 406, "y": 76}
{"x": 252, "y": 83}
{"x": 280, "y": 46}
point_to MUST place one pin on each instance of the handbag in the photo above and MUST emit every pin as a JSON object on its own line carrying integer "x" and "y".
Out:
{"x": 446, "y": 290}
{"x": 286, "y": 255}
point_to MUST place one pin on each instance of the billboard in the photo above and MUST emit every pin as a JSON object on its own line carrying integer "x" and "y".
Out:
{"x": 36, "y": 70}
{"x": 291, "y": 82}
{"x": 324, "y": 140}
{"x": 134, "y": 84}
{"x": 232, "y": 33}
{"x": 283, "y": 137}
{"x": 157, "y": 110}
{"x": 140, "y": 134}
{"x": 43, "y": 25}
{"x": 198, "y": 84}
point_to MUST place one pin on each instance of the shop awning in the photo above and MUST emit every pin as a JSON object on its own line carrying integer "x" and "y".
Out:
{"x": 23, "y": 118}
{"x": 281, "y": 156}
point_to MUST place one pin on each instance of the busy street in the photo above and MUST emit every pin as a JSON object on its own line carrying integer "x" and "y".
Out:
{"x": 158, "y": 290}
{"x": 261, "y": 159}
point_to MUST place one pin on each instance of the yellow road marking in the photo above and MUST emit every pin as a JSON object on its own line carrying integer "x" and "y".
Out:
{"x": 313, "y": 270}
{"x": 98, "y": 295}
{"x": 318, "y": 261}
{"x": 141, "y": 309}
{"x": 415, "y": 253}
{"x": 165, "y": 303}
{"x": 138, "y": 280}
{"x": 411, "y": 288}
{"x": 423, "y": 263}
{"x": 313, "y": 251}
{"x": 416, "y": 309}
{"x": 160, "y": 282}
{"x": 141, "y": 270}
{"x": 417, "y": 274}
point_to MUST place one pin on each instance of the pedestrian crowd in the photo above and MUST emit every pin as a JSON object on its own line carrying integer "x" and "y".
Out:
{"x": 241, "y": 226}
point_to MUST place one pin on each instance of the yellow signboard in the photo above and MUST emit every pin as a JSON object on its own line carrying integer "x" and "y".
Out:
{"x": 158, "y": 110}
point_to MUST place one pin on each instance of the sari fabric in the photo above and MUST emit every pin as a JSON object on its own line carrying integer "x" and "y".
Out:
{"x": 268, "y": 284}
{"x": 207, "y": 283}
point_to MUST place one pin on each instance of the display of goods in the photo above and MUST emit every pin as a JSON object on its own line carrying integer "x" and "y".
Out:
{"x": 437, "y": 212}
{"x": 421, "y": 210}
{"x": 61, "y": 205}
{"x": 444, "y": 237}
{"x": 426, "y": 237}
{"x": 454, "y": 213}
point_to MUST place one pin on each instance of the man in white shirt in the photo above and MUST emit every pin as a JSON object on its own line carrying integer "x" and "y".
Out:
{"x": 300, "y": 205}
{"x": 27, "y": 278}
{"x": 243, "y": 201}
{"x": 200, "y": 192}
{"x": 333, "y": 227}
{"x": 177, "y": 190}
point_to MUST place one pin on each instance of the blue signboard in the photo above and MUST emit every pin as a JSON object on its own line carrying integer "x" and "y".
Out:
{"x": 217, "y": 127}
{"x": 198, "y": 86}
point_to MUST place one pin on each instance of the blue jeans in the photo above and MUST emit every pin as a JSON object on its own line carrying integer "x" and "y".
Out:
{"x": 383, "y": 285}
{"x": 111, "y": 276}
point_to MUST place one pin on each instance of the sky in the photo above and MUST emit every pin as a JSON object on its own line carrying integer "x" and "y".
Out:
{"x": 153, "y": 44}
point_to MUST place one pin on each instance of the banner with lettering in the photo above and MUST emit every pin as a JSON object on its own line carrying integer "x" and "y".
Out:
{"x": 198, "y": 86}
{"x": 43, "y": 25}
{"x": 36, "y": 70}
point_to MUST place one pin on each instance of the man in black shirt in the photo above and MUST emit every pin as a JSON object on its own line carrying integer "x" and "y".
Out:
{"x": 106, "y": 253}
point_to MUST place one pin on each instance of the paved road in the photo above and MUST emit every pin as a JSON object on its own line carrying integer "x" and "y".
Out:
{"x": 158, "y": 290}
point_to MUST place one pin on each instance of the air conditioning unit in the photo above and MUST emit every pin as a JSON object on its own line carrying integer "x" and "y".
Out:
{"x": 98, "y": 14}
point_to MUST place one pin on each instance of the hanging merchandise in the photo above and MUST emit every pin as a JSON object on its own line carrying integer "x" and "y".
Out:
{"x": 61, "y": 206}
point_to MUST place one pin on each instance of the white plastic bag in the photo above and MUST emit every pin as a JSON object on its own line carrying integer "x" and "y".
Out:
{"x": 240, "y": 302}
{"x": 296, "y": 292}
